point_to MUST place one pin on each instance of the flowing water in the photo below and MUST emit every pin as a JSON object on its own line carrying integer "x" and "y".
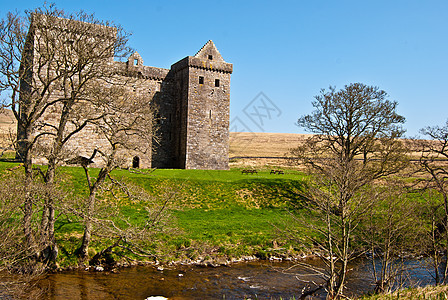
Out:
{"x": 254, "y": 280}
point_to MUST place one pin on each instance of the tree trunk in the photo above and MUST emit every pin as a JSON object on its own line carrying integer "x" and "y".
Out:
{"x": 88, "y": 225}
{"x": 83, "y": 250}
{"x": 445, "y": 272}
{"x": 48, "y": 215}
{"x": 28, "y": 203}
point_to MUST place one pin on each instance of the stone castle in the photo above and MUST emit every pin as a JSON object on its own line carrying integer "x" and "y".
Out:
{"x": 194, "y": 102}
{"x": 192, "y": 97}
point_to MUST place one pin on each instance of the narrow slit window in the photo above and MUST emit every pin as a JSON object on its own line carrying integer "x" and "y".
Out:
{"x": 217, "y": 82}
{"x": 201, "y": 79}
{"x": 210, "y": 114}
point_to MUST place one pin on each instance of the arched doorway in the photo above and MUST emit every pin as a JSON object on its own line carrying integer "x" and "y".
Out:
{"x": 136, "y": 162}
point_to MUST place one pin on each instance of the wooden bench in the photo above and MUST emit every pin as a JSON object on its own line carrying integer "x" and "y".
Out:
{"x": 249, "y": 172}
{"x": 278, "y": 172}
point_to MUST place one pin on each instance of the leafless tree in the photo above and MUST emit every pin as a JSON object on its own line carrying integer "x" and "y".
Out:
{"x": 390, "y": 229}
{"x": 355, "y": 143}
{"x": 50, "y": 64}
{"x": 434, "y": 164}
{"x": 20, "y": 269}
{"x": 119, "y": 235}
{"x": 127, "y": 124}
{"x": 432, "y": 234}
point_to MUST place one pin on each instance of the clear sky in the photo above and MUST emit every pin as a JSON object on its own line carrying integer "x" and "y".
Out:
{"x": 289, "y": 50}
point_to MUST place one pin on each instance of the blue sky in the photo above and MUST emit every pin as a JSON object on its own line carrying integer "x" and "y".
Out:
{"x": 289, "y": 50}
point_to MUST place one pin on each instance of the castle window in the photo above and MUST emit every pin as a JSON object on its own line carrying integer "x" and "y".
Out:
{"x": 201, "y": 79}
{"x": 210, "y": 114}
{"x": 136, "y": 162}
{"x": 210, "y": 57}
{"x": 135, "y": 62}
{"x": 217, "y": 82}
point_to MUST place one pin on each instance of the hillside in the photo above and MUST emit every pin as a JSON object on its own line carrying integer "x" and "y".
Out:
{"x": 247, "y": 149}
{"x": 7, "y": 120}
{"x": 262, "y": 144}
{"x": 257, "y": 149}
{"x": 242, "y": 144}
{"x": 7, "y": 127}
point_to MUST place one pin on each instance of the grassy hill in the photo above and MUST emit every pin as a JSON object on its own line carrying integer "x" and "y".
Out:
{"x": 259, "y": 149}
{"x": 7, "y": 120}
{"x": 242, "y": 144}
{"x": 8, "y": 127}
{"x": 246, "y": 149}
{"x": 261, "y": 144}
{"x": 214, "y": 214}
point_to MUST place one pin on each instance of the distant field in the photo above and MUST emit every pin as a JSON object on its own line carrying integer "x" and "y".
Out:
{"x": 254, "y": 144}
{"x": 263, "y": 144}
{"x": 7, "y": 120}
{"x": 260, "y": 147}
{"x": 7, "y": 127}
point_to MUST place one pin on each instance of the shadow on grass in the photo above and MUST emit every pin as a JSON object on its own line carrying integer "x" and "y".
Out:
{"x": 11, "y": 160}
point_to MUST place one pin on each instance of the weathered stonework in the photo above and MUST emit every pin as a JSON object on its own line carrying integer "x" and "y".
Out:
{"x": 193, "y": 100}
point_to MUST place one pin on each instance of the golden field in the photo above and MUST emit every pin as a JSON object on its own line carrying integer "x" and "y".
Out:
{"x": 8, "y": 128}
{"x": 253, "y": 144}
{"x": 258, "y": 149}
{"x": 261, "y": 144}
{"x": 247, "y": 149}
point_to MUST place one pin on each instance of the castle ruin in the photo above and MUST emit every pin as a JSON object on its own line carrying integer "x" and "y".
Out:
{"x": 192, "y": 97}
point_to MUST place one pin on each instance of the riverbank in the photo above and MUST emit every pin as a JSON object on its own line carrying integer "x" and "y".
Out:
{"x": 210, "y": 218}
{"x": 246, "y": 280}
{"x": 425, "y": 293}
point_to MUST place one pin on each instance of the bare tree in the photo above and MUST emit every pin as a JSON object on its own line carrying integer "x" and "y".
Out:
{"x": 127, "y": 125}
{"x": 432, "y": 235}
{"x": 355, "y": 143}
{"x": 50, "y": 64}
{"x": 434, "y": 164}
{"x": 390, "y": 228}
{"x": 18, "y": 268}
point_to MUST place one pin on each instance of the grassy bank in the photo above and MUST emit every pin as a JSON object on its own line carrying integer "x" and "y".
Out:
{"x": 424, "y": 293}
{"x": 212, "y": 214}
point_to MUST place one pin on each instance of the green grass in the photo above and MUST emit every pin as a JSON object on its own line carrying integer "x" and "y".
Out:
{"x": 233, "y": 175}
{"x": 8, "y": 155}
{"x": 215, "y": 213}
{"x": 234, "y": 231}
{"x": 220, "y": 189}
{"x": 422, "y": 293}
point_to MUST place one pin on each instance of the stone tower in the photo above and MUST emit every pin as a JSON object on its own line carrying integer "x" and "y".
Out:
{"x": 203, "y": 103}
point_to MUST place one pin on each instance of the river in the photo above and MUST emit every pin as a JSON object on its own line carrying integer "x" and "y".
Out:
{"x": 254, "y": 280}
